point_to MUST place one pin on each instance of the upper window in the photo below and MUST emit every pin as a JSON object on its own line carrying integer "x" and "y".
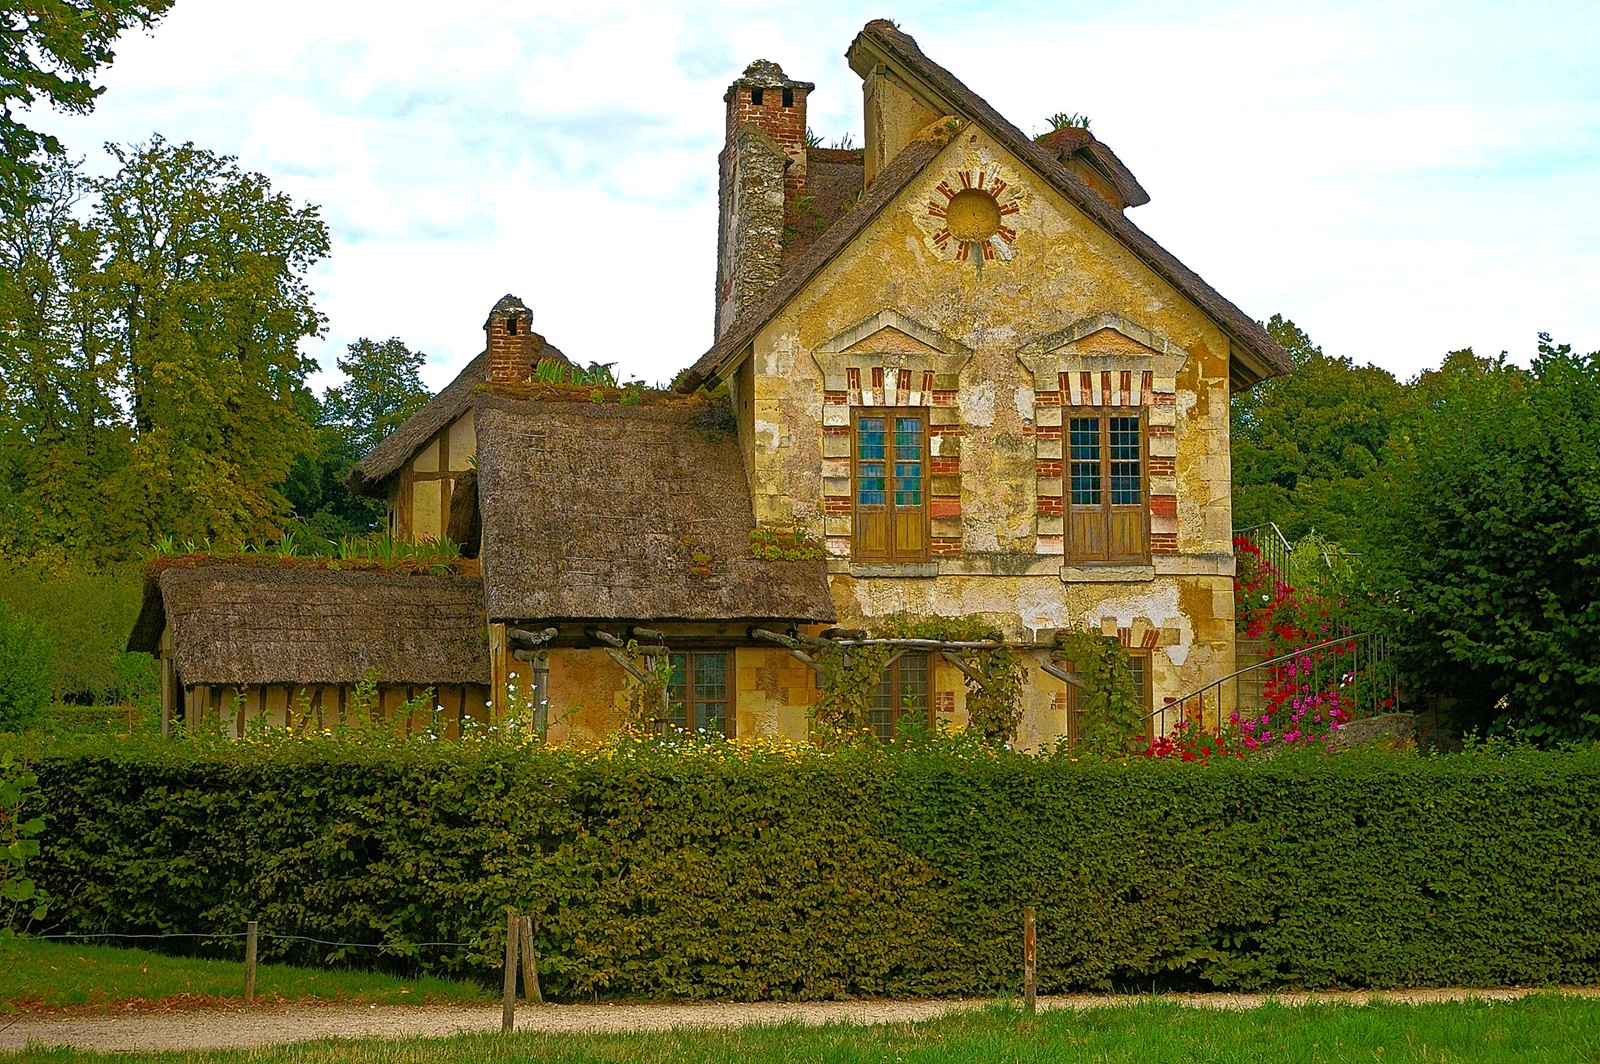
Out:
{"x": 1108, "y": 519}
{"x": 891, "y": 485}
{"x": 697, "y": 694}
{"x": 902, "y": 692}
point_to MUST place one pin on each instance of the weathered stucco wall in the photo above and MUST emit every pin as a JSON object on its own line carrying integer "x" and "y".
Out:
{"x": 997, "y": 338}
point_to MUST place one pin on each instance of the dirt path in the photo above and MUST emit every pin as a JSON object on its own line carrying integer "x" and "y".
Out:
{"x": 235, "y": 1028}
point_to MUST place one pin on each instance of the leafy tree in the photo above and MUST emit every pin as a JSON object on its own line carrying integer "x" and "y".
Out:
{"x": 199, "y": 299}
{"x": 60, "y": 431}
{"x": 1308, "y": 447}
{"x": 48, "y": 50}
{"x": 1490, "y": 546}
{"x": 383, "y": 388}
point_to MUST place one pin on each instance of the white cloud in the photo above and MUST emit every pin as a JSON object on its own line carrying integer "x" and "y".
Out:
{"x": 1399, "y": 178}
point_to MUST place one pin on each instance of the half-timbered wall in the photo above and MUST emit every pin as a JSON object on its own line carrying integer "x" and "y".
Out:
{"x": 420, "y": 503}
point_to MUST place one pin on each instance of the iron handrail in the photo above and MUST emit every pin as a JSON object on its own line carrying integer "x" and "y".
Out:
{"x": 1234, "y": 675}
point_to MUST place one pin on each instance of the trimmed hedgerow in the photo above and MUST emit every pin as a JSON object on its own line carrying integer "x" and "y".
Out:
{"x": 732, "y": 871}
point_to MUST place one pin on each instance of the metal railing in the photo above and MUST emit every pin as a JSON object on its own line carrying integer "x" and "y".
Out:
{"x": 1353, "y": 673}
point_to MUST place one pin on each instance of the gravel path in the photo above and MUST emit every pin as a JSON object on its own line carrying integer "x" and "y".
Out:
{"x": 235, "y": 1028}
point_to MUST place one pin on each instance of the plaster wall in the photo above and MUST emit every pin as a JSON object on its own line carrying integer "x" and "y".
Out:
{"x": 987, "y": 341}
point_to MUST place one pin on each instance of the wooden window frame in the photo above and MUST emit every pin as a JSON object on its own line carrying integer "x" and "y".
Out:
{"x": 897, "y": 707}
{"x": 924, "y": 522}
{"x": 691, "y": 704}
{"x": 1077, "y": 552}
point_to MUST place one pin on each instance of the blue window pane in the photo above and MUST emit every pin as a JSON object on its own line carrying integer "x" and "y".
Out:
{"x": 1083, "y": 436}
{"x": 870, "y": 440}
{"x": 1126, "y": 486}
{"x": 908, "y": 483}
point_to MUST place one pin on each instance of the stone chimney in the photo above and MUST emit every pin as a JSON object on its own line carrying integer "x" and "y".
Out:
{"x": 512, "y": 344}
{"x": 762, "y": 172}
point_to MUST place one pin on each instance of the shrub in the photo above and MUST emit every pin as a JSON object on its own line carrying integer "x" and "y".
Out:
{"x": 709, "y": 869}
{"x": 87, "y": 616}
{"x": 26, "y": 682}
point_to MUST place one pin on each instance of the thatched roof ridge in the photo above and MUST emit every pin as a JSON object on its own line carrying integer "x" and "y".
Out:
{"x": 1262, "y": 357}
{"x": 251, "y": 624}
{"x": 606, "y": 512}
{"x": 367, "y": 476}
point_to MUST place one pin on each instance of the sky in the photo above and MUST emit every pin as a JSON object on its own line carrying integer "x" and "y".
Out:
{"x": 1400, "y": 179}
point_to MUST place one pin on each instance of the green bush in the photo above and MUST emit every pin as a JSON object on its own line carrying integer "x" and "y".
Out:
{"x": 724, "y": 871}
{"x": 26, "y": 683}
{"x": 87, "y": 616}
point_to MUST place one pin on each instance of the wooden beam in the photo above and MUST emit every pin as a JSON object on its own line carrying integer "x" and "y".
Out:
{"x": 955, "y": 659}
{"x": 523, "y": 635}
{"x": 1062, "y": 674}
{"x": 627, "y": 666}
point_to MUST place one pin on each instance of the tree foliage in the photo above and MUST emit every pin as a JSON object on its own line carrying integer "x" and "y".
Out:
{"x": 1308, "y": 447}
{"x": 48, "y": 51}
{"x": 26, "y": 683}
{"x": 1490, "y": 545}
{"x": 383, "y": 387}
{"x": 154, "y": 383}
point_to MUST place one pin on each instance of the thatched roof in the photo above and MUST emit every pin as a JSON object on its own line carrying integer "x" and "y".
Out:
{"x": 1256, "y": 355}
{"x": 609, "y": 512}
{"x": 367, "y": 477}
{"x": 255, "y": 624}
{"x": 1068, "y": 141}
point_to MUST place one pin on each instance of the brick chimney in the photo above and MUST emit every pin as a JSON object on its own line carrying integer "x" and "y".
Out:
{"x": 762, "y": 172}
{"x": 512, "y": 344}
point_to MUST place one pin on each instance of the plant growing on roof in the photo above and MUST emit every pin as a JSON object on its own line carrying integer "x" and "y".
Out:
{"x": 790, "y": 544}
{"x": 1063, "y": 120}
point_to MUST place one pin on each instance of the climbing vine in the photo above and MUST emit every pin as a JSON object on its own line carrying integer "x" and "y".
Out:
{"x": 851, "y": 675}
{"x": 1110, "y": 713}
{"x": 649, "y": 675}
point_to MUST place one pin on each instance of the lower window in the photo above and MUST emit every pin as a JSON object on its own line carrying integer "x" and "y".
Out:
{"x": 903, "y": 692}
{"x": 697, "y": 694}
{"x": 1138, "y": 672}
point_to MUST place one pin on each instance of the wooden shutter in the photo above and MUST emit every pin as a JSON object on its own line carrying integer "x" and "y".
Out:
{"x": 1107, "y": 500}
{"x": 890, "y": 485}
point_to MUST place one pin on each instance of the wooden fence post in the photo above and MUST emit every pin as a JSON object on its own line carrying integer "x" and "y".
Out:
{"x": 530, "y": 965}
{"x": 1030, "y": 960}
{"x": 508, "y": 996}
{"x": 249, "y": 962}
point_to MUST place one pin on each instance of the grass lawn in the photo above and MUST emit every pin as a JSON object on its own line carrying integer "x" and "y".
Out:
{"x": 39, "y": 974}
{"x": 1541, "y": 1028}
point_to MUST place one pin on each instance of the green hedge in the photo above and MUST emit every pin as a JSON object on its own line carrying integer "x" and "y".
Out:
{"x": 769, "y": 874}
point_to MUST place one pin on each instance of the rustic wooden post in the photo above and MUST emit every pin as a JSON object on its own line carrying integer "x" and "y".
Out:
{"x": 1030, "y": 960}
{"x": 530, "y": 965}
{"x": 508, "y": 996}
{"x": 249, "y": 962}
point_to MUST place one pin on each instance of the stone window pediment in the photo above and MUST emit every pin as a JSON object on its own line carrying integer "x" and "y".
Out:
{"x": 888, "y": 341}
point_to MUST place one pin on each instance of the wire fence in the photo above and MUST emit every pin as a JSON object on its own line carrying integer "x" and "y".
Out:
{"x": 520, "y": 959}
{"x": 392, "y": 946}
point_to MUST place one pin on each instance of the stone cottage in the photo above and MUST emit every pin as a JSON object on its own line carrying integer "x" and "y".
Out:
{"x": 950, "y": 378}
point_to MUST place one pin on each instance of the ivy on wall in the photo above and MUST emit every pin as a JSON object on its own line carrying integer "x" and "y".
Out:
{"x": 1111, "y": 716}
{"x": 851, "y": 675}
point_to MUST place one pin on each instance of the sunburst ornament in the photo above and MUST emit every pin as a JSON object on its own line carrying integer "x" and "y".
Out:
{"x": 972, "y": 215}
